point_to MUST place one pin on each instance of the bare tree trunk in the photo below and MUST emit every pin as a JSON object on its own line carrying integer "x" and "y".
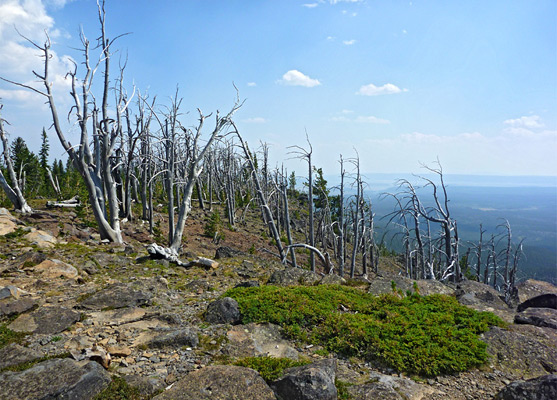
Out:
{"x": 14, "y": 192}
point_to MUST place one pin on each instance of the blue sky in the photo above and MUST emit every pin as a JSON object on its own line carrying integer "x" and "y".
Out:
{"x": 400, "y": 82}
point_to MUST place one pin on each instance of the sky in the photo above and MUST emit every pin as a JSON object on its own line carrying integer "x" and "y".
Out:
{"x": 398, "y": 83}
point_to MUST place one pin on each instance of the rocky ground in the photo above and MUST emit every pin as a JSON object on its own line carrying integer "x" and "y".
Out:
{"x": 95, "y": 311}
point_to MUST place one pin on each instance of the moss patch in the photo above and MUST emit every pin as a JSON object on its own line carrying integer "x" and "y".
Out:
{"x": 8, "y": 336}
{"x": 425, "y": 335}
{"x": 119, "y": 390}
{"x": 270, "y": 368}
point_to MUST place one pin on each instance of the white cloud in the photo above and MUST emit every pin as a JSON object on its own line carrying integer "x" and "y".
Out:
{"x": 345, "y": 1}
{"x": 330, "y": 38}
{"x": 309, "y": 5}
{"x": 252, "y": 84}
{"x": 360, "y": 119}
{"x": 296, "y": 78}
{"x": 372, "y": 90}
{"x": 530, "y": 122}
{"x": 18, "y": 58}
{"x": 349, "y": 42}
{"x": 372, "y": 120}
{"x": 255, "y": 120}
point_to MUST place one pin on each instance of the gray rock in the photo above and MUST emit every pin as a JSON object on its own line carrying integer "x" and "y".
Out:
{"x": 198, "y": 284}
{"x": 547, "y": 300}
{"x": 293, "y": 276}
{"x": 227, "y": 252}
{"x": 247, "y": 284}
{"x": 253, "y": 340}
{"x": 90, "y": 268}
{"x": 332, "y": 279}
{"x": 9, "y": 308}
{"x": 310, "y": 382}
{"x": 46, "y": 320}
{"x": 182, "y": 337}
{"x": 538, "y": 317}
{"x": 14, "y": 354}
{"x": 383, "y": 285}
{"x": 391, "y": 388}
{"x": 542, "y": 388}
{"x": 532, "y": 288}
{"x": 223, "y": 311}
{"x": 55, "y": 379}
{"x": 147, "y": 386}
{"x": 524, "y": 351}
{"x": 9, "y": 291}
{"x": 117, "y": 296}
{"x": 220, "y": 382}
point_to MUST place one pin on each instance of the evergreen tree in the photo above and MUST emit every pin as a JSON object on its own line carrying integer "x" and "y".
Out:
{"x": 320, "y": 190}
{"x": 26, "y": 166}
{"x": 43, "y": 158}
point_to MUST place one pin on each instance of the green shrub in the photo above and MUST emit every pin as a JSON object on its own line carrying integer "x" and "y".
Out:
{"x": 270, "y": 368}
{"x": 424, "y": 335}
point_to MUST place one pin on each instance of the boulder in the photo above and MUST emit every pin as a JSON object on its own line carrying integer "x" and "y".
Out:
{"x": 9, "y": 291}
{"x": 482, "y": 297}
{"x": 52, "y": 269}
{"x": 176, "y": 339}
{"x": 332, "y": 279}
{"x": 253, "y": 340}
{"x": 524, "y": 351}
{"x": 14, "y": 354}
{"x": 532, "y": 288}
{"x": 220, "y": 382}
{"x": 55, "y": 379}
{"x": 41, "y": 238}
{"x": 546, "y": 300}
{"x": 117, "y": 296}
{"x": 309, "y": 382}
{"x": 223, "y": 311}
{"x": 46, "y": 320}
{"x": 538, "y": 316}
{"x": 8, "y": 224}
{"x": 227, "y": 252}
{"x": 383, "y": 285}
{"x": 147, "y": 386}
{"x": 293, "y": 277}
{"x": 542, "y": 388}
{"x": 10, "y": 308}
{"x": 390, "y": 388}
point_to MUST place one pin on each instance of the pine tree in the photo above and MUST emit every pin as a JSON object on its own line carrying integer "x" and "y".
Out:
{"x": 43, "y": 158}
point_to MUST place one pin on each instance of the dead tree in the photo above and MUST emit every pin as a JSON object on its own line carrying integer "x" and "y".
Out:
{"x": 13, "y": 191}
{"x": 306, "y": 155}
{"x": 94, "y": 167}
{"x": 267, "y": 214}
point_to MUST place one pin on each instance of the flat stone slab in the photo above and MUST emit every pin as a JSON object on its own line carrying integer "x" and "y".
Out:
{"x": 41, "y": 239}
{"x": 177, "y": 338}
{"x": 116, "y": 296}
{"x": 9, "y": 308}
{"x": 253, "y": 340}
{"x": 52, "y": 269}
{"x": 46, "y": 320}
{"x": 382, "y": 285}
{"x": 293, "y": 277}
{"x": 388, "y": 387}
{"x": 543, "y": 317}
{"x": 55, "y": 379}
{"x": 220, "y": 382}
{"x": 14, "y": 354}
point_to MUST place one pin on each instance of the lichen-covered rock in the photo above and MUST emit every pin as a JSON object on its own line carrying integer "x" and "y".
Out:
{"x": 220, "y": 382}
{"x": 176, "y": 338}
{"x": 532, "y": 288}
{"x": 309, "y": 382}
{"x": 293, "y": 277}
{"x": 41, "y": 239}
{"x": 227, "y": 252}
{"x": 223, "y": 311}
{"x": 55, "y": 379}
{"x": 253, "y": 340}
{"x": 523, "y": 351}
{"x": 544, "y": 317}
{"x": 14, "y": 354}
{"x": 542, "y": 388}
{"x": 52, "y": 269}
{"x": 10, "y": 308}
{"x": 546, "y": 300}
{"x": 381, "y": 285}
{"x": 117, "y": 296}
{"x": 389, "y": 388}
{"x": 46, "y": 320}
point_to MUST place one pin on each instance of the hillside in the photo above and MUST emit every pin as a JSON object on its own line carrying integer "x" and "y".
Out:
{"x": 71, "y": 303}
